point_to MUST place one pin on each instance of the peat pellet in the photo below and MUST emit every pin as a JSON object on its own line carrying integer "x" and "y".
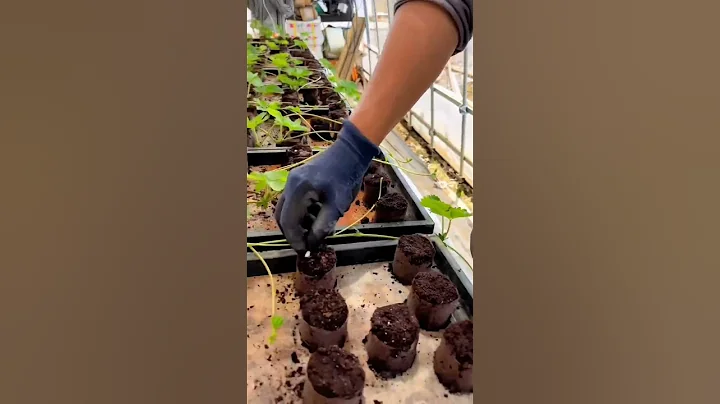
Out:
{"x": 391, "y": 208}
{"x": 372, "y": 187}
{"x": 414, "y": 254}
{"x": 316, "y": 271}
{"x": 324, "y": 319}
{"x": 453, "y": 359}
{"x": 392, "y": 342}
{"x": 298, "y": 153}
{"x": 373, "y": 168}
{"x": 334, "y": 376}
{"x": 433, "y": 299}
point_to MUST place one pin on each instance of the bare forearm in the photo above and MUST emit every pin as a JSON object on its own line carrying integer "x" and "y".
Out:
{"x": 422, "y": 39}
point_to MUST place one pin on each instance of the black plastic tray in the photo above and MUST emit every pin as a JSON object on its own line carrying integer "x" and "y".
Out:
{"x": 422, "y": 224}
{"x": 283, "y": 261}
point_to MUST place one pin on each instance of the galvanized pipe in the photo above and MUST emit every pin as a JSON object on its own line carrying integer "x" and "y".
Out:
{"x": 463, "y": 111}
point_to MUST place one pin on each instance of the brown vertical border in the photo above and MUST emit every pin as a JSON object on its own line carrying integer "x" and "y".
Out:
{"x": 596, "y": 207}
{"x": 122, "y": 266}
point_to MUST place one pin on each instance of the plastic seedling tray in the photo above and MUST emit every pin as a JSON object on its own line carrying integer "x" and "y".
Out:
{"x": 262, "y": 226}
{"x": 365, "y": 281}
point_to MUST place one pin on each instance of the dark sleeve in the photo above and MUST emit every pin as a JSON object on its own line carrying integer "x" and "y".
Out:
{"x": 461, "y": 13}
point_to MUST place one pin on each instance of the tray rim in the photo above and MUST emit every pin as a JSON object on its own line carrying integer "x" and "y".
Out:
{"x": 444, "y": 262}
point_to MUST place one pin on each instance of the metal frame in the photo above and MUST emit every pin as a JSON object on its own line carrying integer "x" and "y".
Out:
{"x": 461, "y": 102}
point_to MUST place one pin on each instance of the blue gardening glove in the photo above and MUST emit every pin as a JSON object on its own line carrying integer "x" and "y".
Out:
{"x": 318, "y": 193}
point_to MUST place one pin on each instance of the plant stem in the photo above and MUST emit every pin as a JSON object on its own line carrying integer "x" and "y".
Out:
{"x": 402, "y": 168}
{"x": 272, "y": 281}
{"x": 458, "y": 253}
{"x": 287, "y": 167}
{"x": 316, "y": 116}
{"x": 366, "y": 213}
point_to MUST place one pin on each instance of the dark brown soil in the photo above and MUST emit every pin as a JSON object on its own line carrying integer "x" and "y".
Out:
{"x": 373, "y": 168}
{"x": 298, "y": 153}
{"x": 290, "y": 97}
{"x": 460, "y": 338}
{"x": 324, "y": 308}
{"x": 393, "y": 202}
{"x": 434, "y": 288}
{"x": 310, "y": 96}
{"x": 395, "y": 326}
{"x": 373, "y": 180}
{"x": 334, "y": 372}
{"x": 318, "y": 263}
{"x": 391, "y": 208}
{"x": 418, "y": 248}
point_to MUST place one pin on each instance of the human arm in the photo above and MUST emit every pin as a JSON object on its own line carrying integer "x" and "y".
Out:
{"x": 423, "y": 37}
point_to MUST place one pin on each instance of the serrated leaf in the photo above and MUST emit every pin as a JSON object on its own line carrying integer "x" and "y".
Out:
{"x": 254, "y": 79}
{"x": 437, "y": 206}
{"x": 263, "y": 105}
{"x": 275, "y": 114}
{"x": 269, "y": 89}
{"x": 256, "y": 121}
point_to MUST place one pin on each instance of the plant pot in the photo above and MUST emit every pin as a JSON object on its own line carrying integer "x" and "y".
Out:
{"x": 323, "y": 321}
{"x": 414, "y": 254}
{"x": 371, "y": 187}
{"x": 391, "y": 207}
{"x": 316, "y": 271}
{"x": 433, "y": 299}
{"x": 392, "y": 342}
{"x": 334, "y": 376}
{"x": 453, "y": 359}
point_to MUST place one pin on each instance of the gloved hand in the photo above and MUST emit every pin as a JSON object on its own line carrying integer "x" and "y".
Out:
{"x": 318, "y": 193}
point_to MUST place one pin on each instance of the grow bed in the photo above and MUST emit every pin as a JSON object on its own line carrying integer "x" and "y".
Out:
{"x": 278, "y": 371}
{"x": 292, "y": 97}
{"x": 262, "y": 227}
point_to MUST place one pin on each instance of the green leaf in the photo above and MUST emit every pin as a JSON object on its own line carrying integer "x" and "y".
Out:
{"x": 443, "y": 209}
{"x": 256, "y": 121}
{"x": 281, "y": 60}
{"x": 272, "y": 45}
{"x": 326, "y": 64}
{"x": 298, "y": 72}
{"x": 268, "y": 89}
{"x": 300, "y": 44}
{"x": 295, "y": 109}
{"x": 277, "y": 179}
{"x": 283, "y": 42}
{"x": 254, "y": 79}
{"x": 277, "y": 322}
{"x": 263, "y": 105}
{"x": 349, "y": 89}
{"x": 259, "y": 179}
{"x": 296, "y": 125}
{"x": 275, "y": 114}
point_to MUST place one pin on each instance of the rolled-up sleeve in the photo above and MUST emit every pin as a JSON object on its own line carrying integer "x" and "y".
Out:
{"x": 461, "y": 13}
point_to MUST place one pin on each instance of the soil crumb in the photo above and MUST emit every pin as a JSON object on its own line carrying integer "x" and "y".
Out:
{"x": 435, "y": 288}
